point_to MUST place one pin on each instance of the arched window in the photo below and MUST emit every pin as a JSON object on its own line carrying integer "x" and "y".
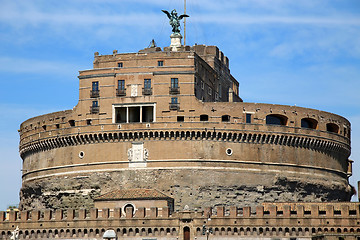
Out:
{"x": 225, "y": 118}
{"x": 332, "y": 127}
{"x": 309, "y": 123}
{"x": 275, "y": 119}
{"x": 204, "y": 117}
{"x": 129, "y": 207}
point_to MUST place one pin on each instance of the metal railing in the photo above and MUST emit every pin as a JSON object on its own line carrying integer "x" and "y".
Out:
{"x": 94, "y": 109}
{"x": 174, "y": 106}
{"x": 94, "y": 93}
{"x": 147, "y": 91}
{"x": 121, "y": 92}
{"x": 174, "y": 90}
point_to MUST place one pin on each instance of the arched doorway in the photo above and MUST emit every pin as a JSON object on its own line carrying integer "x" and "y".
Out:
{"x": 186, "y": 233}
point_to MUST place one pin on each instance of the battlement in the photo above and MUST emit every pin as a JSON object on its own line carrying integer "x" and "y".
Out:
{"x": 267, "y": 210}
{"x": 282, "y": 220}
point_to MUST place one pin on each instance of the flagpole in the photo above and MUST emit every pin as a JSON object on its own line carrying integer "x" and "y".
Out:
{"x": 185, "y": 23}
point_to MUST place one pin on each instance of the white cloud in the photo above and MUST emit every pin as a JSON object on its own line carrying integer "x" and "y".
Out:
{"x": 226, "y": 13}
{"x": 26, "y": 65}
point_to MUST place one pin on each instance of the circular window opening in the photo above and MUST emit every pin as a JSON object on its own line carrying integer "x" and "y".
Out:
{"x": 81, "y": 154}
{"x": 229, "y": 151}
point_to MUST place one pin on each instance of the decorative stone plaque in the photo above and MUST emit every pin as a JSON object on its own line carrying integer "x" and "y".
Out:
{"x": 137, "y": 155}
{"x": 134, "y": 91}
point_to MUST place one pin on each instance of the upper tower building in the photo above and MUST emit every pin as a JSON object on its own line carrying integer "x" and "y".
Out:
{"x": 171, "y": 119}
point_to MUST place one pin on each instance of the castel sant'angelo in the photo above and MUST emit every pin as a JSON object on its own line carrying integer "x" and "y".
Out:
{"x": 161, "y": 146}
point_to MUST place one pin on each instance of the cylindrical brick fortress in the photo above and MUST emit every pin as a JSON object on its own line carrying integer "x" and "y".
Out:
{"x": 201, "y": 153}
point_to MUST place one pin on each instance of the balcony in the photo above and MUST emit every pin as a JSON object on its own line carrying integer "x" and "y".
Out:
{"x": 147, "y": 91}
{"x": 121, "y": 92}
{"x": 174, "y": 106}
{"x": 174, "y": 90}
{"x": 94, "y": 109}
{"x": 94, "y": 93}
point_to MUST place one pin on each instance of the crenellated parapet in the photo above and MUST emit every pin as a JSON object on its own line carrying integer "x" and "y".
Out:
{"x": 283, "y": 219}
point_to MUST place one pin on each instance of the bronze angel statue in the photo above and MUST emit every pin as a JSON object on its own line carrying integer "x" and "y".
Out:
{"x": 174, "y": 20}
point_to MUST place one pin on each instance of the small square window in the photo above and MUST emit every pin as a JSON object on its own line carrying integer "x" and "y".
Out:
{"x": 72, "y": 123}
{"x": 174, "y": 100}
{"x": 180, "y": 118}
{"x": 204, "y": 117}
{"x": 160, "y": 63}
{"x": 225, "y": 118}
{"x": 57, "y": 126}
{"x": 120, "y": 64}
{"x": 88, "y": 121}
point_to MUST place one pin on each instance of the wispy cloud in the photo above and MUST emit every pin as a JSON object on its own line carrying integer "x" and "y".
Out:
{"x": 36, "y": 66}
{"x": 264, "y": 19}
{"x": 30, "y": 14}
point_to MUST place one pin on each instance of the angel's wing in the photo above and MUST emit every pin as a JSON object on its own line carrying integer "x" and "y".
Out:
{"x": 167, "y": 13}
{"x": 182, "y": 16}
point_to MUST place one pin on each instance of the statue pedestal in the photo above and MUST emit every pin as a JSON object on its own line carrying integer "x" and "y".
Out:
{"x": 175, "y": 41}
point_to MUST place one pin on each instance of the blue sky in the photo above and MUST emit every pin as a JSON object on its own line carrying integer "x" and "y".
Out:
{"x": 281, "y": 51}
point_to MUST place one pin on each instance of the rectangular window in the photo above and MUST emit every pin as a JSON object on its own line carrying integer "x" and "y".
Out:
{"x": 148, "y": 114}
{"x": 147, "y": 83}
{"x": 121, "y": 90}
{"x": 248, "y": 118}
{"x": 120, "y": 64}
{"x": 95, "y": 86}
{"x": 174, "y": 83}
{"x": 95, "y": 103}
{"x": 202, "y": 85}
{"x": 120, "y": 115}
{"x": 160, "y": 63}
{"x": 174, "y": 104}
{"x": 174, "y": 100}
{"x": 121, "y": 84}
{"x": 210, "y": 91}
{"x": 134, "y": 113}
{"x": 94, "y": 93}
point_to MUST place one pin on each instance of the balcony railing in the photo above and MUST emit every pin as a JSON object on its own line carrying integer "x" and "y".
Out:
{"x": 174, "y": 90}
{"x": 174, "y": 106}
{"x": 121, "y": 92}
{"x": 94, "y": 93}
{"x": 94, "y": 109}
{"x": 147, "y": 91}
